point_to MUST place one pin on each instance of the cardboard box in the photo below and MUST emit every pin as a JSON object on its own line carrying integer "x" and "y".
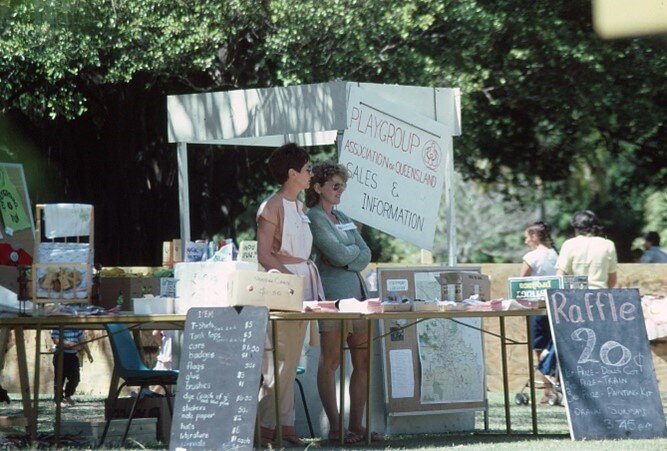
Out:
{"x": 167, "y": 254}
{"x": 204, "y": 284}
{"x": 274, "y": 290}
{"x": 535, "y": 288}
{"x": 147, "y": 408}
{"x": 176, "y": 251}
{"x": 141, "y": 430}
{"x": 153, "y": 305}
{"x": 111, "y": 288}
{"x": 459, "y": 285}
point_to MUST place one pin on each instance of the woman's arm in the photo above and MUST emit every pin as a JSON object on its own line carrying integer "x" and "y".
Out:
{"x": 266, "y": 258}
{"x": 327, "y": 240}
{"x": 364, "y": 258}
{"x": 526, "y": 270}
{"x": 612, "y": 279}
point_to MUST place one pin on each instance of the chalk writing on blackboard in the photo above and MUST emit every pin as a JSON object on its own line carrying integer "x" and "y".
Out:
{"x": 219, "y": 378}
{"x": 606, "y": 365}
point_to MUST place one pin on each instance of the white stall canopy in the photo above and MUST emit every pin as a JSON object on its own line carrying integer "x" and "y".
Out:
{"x": 306, "y": 114}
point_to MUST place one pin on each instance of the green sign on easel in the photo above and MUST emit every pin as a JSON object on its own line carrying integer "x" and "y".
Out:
{"x": 14, "y": 216}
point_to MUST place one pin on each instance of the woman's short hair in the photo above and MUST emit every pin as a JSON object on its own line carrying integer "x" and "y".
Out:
{"x": 286, "y": 157}
{"x": 323, "y": 172}
{"x": 585, "y": 222}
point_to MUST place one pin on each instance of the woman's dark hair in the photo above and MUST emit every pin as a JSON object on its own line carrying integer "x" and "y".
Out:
{"x": 286, "y": 157}
{"x": 585, "y": 222}
{"x": 323, "y": 172}
{"x": 542, "y": 231}
{"x": 653, "y": 238}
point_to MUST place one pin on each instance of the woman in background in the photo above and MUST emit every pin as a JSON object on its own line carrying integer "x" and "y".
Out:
{"x": 589, "y": 254}
{"x": 284, "y": 243}
{"x": 540, "y": 261}
{"x": 340, "y": 254}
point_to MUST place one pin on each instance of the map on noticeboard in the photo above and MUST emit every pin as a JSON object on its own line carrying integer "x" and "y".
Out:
{"x": 452, "y": 360}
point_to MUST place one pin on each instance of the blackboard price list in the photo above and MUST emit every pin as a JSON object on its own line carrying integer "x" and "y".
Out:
{"x": 608, "y": 376}
{"x": 218, "y": 385}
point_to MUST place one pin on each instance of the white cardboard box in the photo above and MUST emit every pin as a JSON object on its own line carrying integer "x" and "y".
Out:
{"x": 204, "y": 284}
{"x": 274, "y": 290}
{"x": 153, "y": 305}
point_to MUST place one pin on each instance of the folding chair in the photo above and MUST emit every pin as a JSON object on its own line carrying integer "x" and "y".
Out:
{"x": 129, "y": 366}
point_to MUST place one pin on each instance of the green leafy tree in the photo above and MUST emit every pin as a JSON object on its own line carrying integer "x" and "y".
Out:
{"x": 550, "y": 111}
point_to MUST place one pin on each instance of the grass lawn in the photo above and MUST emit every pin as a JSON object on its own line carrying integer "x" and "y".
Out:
{"x": 552, "y": 427}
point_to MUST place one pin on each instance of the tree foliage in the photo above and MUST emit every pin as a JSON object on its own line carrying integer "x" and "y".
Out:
{"x": 550, "y": 111}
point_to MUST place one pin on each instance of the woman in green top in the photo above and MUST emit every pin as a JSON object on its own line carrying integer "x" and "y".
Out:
{"x": 339, "y": 253}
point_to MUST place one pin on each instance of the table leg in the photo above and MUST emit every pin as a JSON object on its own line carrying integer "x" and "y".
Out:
{"x": 276, "y": 384}
{"x": 25, "y": 383}
{"x": 60, "y": 355}
{"x": 369, "y": 378}
{"x": 38, "y": 362}
{"x": 341, "y": 411}
{"x": 531, "y": 375}
{"x": 506, "y": 394}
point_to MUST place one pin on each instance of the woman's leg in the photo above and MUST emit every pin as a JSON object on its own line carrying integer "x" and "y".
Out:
{"x": 290, "y": 337}
{"x": 358, "y": 343}
{"x": 326, "y": 375}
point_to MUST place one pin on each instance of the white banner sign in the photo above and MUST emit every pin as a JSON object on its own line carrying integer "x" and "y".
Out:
{"x": 396, "y": 161}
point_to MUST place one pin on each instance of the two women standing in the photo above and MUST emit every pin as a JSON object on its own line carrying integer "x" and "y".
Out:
{"x": 284, "y": 243}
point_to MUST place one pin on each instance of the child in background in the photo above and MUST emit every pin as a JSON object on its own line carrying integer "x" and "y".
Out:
{"x": 163, "y": 338}
{"x": 72, "y": 341}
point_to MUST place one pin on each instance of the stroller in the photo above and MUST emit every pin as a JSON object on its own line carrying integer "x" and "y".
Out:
{"x": 548, "y": 366}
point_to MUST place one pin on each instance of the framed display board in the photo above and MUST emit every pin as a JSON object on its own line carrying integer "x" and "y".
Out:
{"x": 221, "y": 367}
{"x": 17, "y": 226}
{"x": 605, "y": 364}
{"x": 434, "y": 365}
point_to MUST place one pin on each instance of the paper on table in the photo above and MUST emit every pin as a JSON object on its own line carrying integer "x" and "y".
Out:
{"x": 402, "y": 373}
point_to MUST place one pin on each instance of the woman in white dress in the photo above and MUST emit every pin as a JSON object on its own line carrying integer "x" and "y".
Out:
{"x": 284, "y": 242}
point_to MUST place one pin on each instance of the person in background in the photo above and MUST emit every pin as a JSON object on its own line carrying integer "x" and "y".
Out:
{"x": 653, "y": 253}
{"x": 636, "y": 254}
{"x": 540, "y": 261}
{"x": 4, "y": 396}
{"x": 164, "y": 339}
{"x": 72, "y": 341}
{"x": 588, "y": 254}
{"x": 284, "y": 243}
{"x": 340, "y": 254}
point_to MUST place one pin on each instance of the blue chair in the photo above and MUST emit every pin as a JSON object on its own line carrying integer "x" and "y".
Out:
{"x": 300, "y": 370}
{"x": 129, "y": 366}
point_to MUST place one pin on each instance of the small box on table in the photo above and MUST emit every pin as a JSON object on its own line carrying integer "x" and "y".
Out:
{"x": 534, "y": 289}
{"x": 460, "y": 285}
{"x": 153, "y": 305}
{"x": 124, "y": 289}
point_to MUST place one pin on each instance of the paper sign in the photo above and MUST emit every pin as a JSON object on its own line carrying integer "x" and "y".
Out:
{"x": 11, "y": 206}
{"x": 397, "y": 285}
{"x": 396, "y": 161}
{"x": 402, "y": 373}
{"x": 248, "y": 251}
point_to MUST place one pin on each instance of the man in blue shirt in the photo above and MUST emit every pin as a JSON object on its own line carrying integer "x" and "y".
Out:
{"x": 653, "y": 253}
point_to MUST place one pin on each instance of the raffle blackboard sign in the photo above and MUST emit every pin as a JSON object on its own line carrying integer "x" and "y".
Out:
{"x": 218, "y": 384}
{"x": 605, "y": 363}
